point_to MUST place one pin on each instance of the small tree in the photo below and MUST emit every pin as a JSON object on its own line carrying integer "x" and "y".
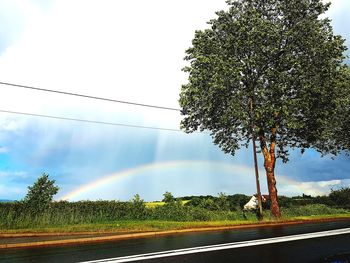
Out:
{"x": 274, "y": 63}
{"x": 41, "y": 193}
{"x": 168, "y": 198}
{"x": 138, "y": 207}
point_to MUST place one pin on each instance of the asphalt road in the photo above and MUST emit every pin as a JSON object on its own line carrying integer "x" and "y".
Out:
{"x": 309, "y": 250}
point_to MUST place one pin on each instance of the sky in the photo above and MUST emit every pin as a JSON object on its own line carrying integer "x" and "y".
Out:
{"x": 132, "y": 51}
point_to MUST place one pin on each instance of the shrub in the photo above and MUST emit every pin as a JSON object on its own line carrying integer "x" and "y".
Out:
{"x": 223, "y": 202}
{"x": 310, "y": 210}
{"x": 237, "y": 201}
{"x": 341, "y": 197}
{"x": 137, "y": 208}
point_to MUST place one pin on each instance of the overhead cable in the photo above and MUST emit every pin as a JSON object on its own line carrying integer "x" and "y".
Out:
{"x": 88, "y": 121}
{"x": 89, "y": 97}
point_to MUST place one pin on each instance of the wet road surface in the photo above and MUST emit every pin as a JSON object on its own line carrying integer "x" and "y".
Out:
{"x": 311, "y": 250}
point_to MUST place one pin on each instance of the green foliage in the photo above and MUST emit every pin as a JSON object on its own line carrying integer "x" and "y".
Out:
{"x": 312, "y": 210}
{"x": 325, "y": 200}
{"x": 40, "y": 194}
{"x": 341, "y": 197}
{"x": 195, "y": 201}
{"x": 223, "y": 202}
{"x": 209, "y": 204}
{"x": 285, "y": 201}
{"x": 138, "y": 208}
{"x": 340, "y": 123}
{"x": 168, "y": 197}
{"x": 237, "y": 201}
{"x": 283, "y": 56}
{"x": 16, "y": 215}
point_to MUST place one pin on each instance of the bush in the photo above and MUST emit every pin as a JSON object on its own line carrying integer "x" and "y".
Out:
{"x": 137, "y": 208}
{"x": 16, "y": 215}
{"x": 341, "y": 197}
{"x": 221, "y": 203}
{"x": 209, "y": 204}
{"x": 311, "y": 210}
{"x": 237, "y": 201}
{"x": 323, "y": 200}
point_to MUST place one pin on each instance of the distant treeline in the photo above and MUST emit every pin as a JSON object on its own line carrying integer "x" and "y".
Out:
{"x": 337, "y": 198}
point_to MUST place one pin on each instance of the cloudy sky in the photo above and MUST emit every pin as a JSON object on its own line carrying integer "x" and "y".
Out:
{"x": 124, "y": 50}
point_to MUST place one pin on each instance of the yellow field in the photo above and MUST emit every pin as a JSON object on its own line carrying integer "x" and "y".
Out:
{"x": 159, "y": 203}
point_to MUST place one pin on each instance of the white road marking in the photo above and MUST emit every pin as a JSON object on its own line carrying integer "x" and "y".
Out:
{"x": 193, "y": 250}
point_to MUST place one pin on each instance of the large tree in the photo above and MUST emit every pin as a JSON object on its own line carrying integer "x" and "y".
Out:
{"x": 274, "y": 63}
{"x": 340, "y": 128}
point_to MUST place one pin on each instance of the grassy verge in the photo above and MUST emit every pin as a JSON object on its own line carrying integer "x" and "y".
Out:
{"x": 316, "y": 217}
{"x": 133, "y": 226}
{"x": 136, "y": 217}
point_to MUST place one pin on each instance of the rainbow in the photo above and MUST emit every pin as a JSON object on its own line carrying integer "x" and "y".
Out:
{"x": 153, "y": 167}
{"x": 282, "y": 180}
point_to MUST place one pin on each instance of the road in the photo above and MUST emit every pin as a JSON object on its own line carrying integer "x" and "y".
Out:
{"x": 308, "y": 250}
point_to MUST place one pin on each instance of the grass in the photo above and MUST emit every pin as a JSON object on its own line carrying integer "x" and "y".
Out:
{"x": 133, "y": 226}
{"x": 117, "y": 217}
{"x": 316, "y": 217}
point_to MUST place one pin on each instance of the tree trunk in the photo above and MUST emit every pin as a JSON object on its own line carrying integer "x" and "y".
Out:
{"x": 269, "y": 164}
{"x": 271, "y": 183}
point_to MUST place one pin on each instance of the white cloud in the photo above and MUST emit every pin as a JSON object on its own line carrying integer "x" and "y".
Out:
{"x": 328, "y": 183}
{"x": 16, "y": 174}
{"x": 338, "y": 6}
{"x": 11, "y": 192}
{"x": 3, "y": 149}
{"x": 289, "y": 187}
{"x": 127, "y": 50}
{"x": 130, "y": 50}
{"x": 12, "y": 124}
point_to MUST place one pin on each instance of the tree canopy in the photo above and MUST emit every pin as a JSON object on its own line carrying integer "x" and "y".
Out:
{"x": 168, "y": 198}
{"x": 41, "y": 193}
{"x": 340, "y": 126}
{"x": 273, "y": 64}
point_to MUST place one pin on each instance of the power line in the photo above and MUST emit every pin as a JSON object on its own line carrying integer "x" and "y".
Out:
{"x": 88, "y": 121}
{"x": 88, "y": 96}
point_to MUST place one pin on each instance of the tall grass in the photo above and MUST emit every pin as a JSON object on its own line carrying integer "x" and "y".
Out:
{"x": 312, "y": 210}
{"x": 18, "y": 215}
